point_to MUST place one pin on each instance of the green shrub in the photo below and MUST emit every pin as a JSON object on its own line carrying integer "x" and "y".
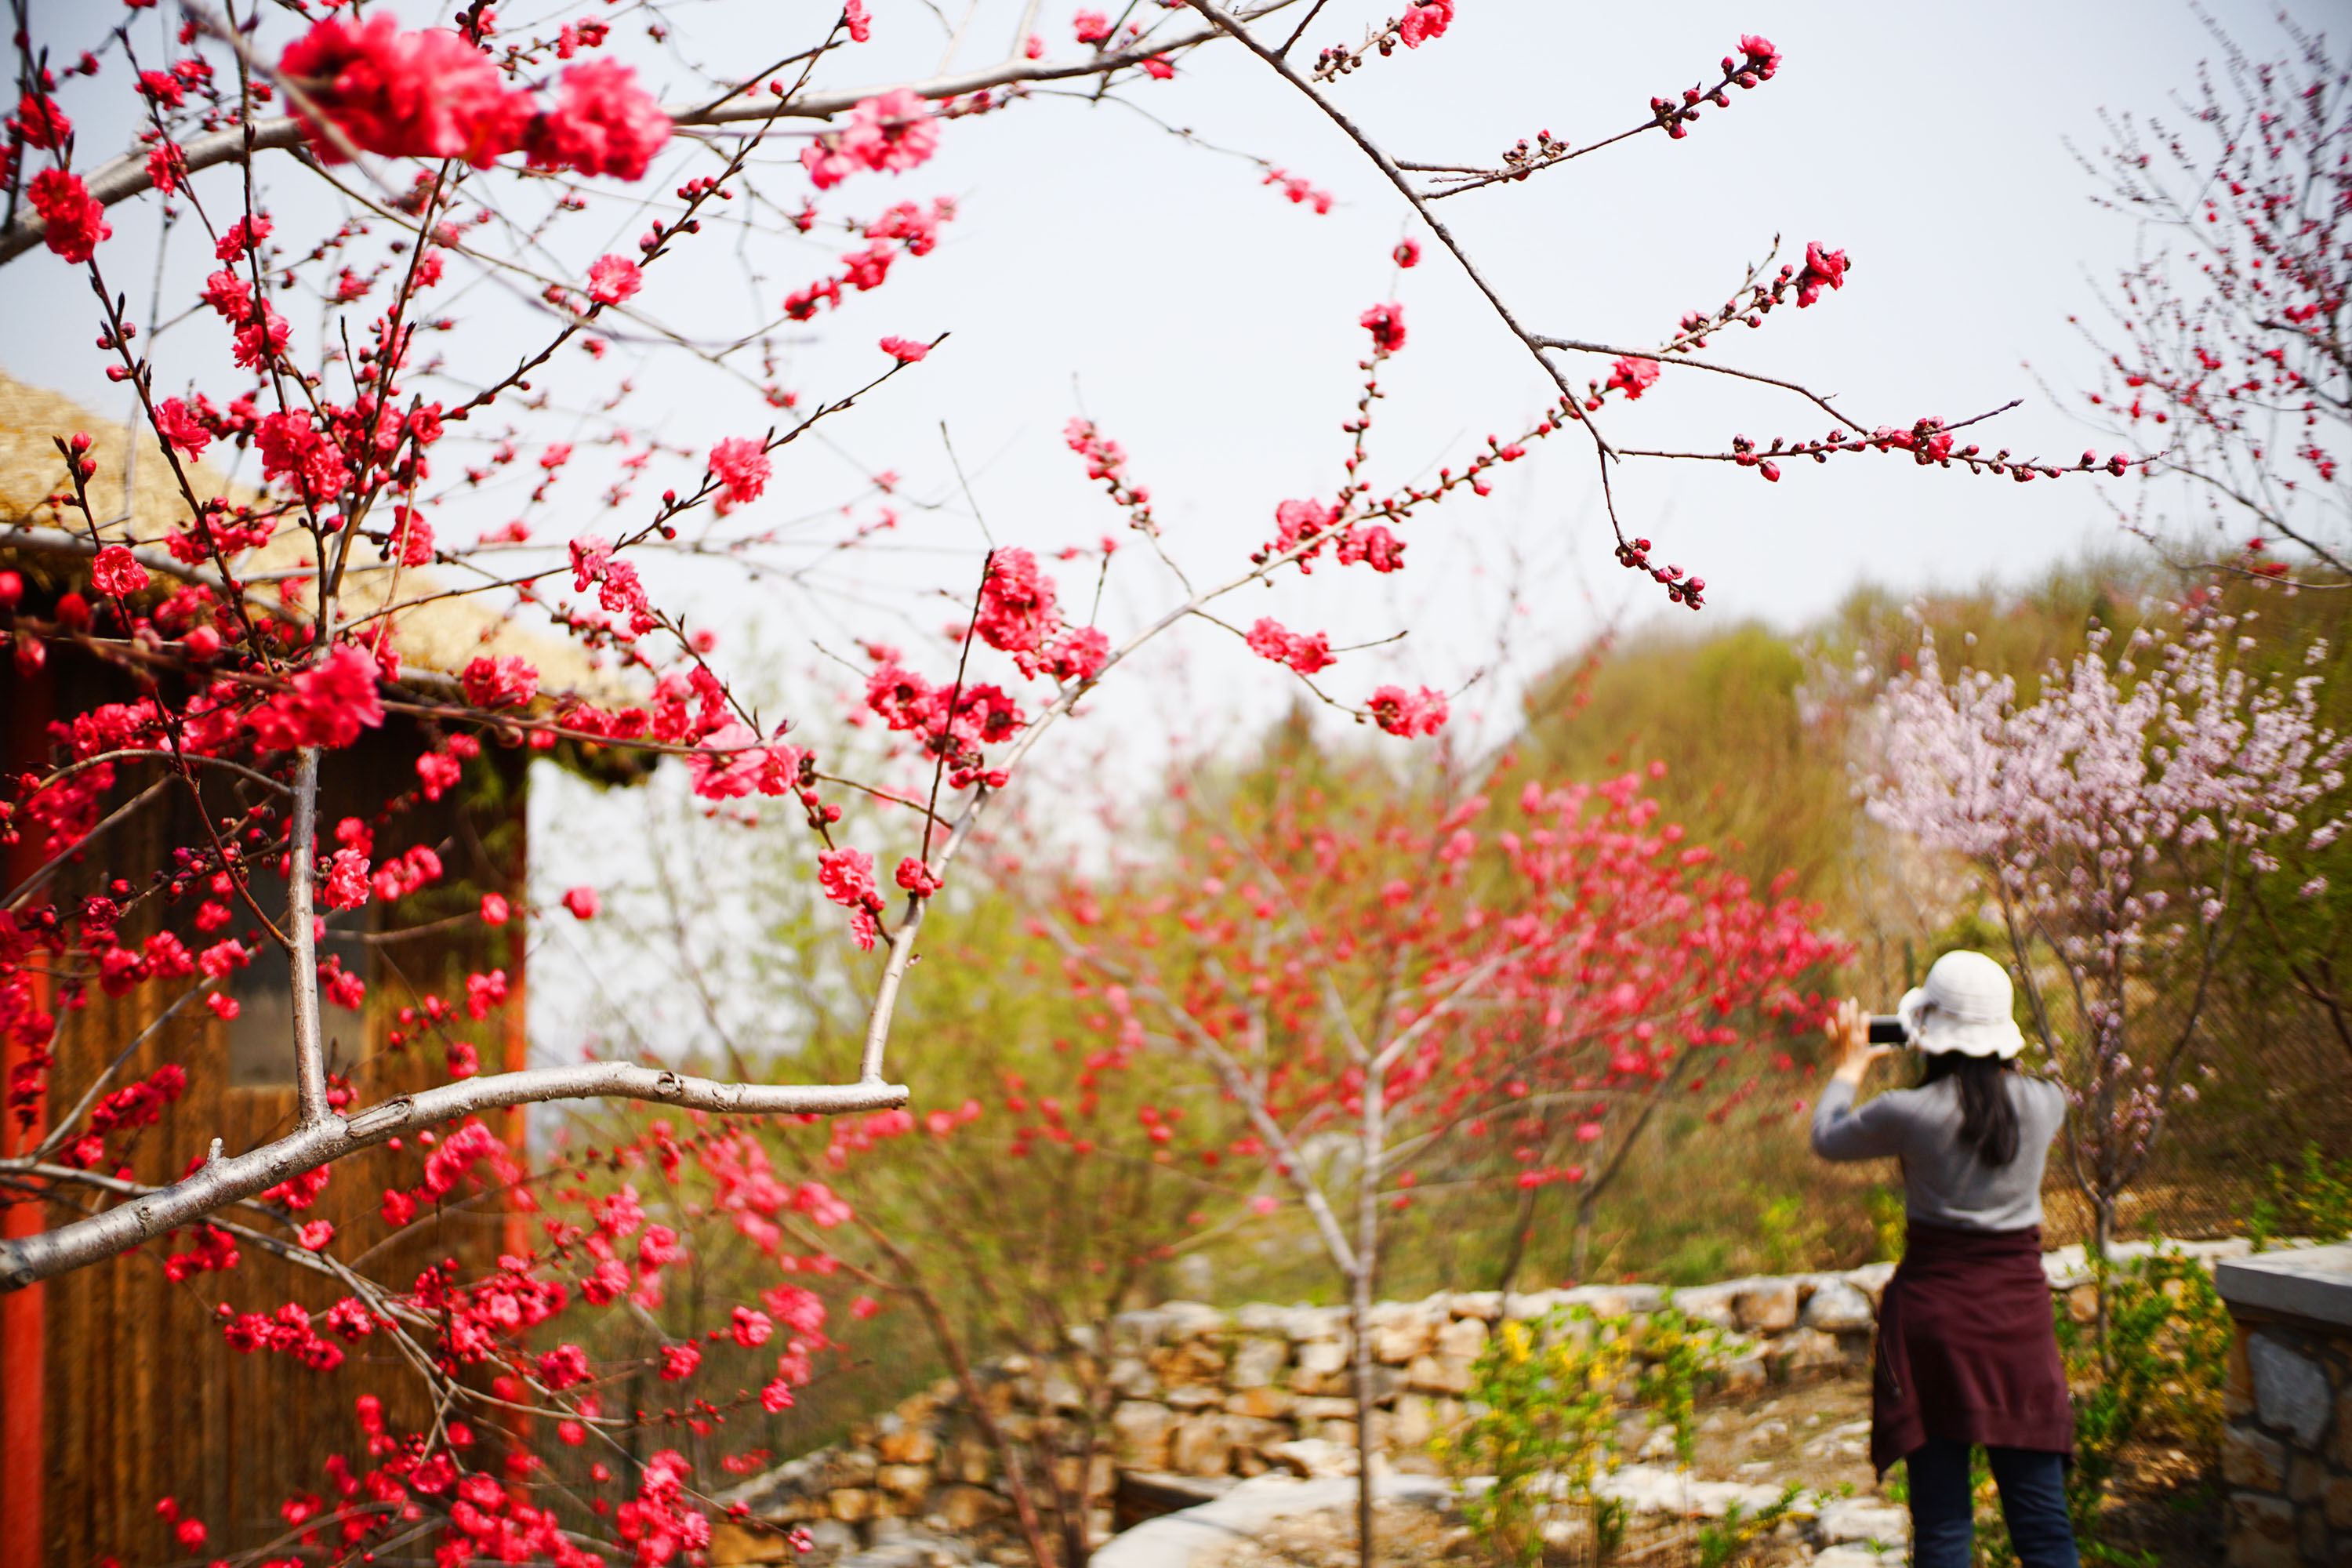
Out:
{"x": 2315, "y": 1203}
{"x": 1545, "y": 1400}
{"x": 1729, "y": 1539}
{"x": 2160, "y": 1370}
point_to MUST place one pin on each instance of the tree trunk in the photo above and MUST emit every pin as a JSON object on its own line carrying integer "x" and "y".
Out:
{"x": 302, "y": 855}
{"x": 1519, "y": 1230}
{"x": 2103, "y": 1235}
{"x": 1580, "y": 1252}
{"x": 1009, "y": 1455}
{"x": 1368, "y": 1238}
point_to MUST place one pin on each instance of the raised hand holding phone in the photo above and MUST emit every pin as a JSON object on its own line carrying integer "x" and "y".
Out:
{"x": 1859, "y": 1041}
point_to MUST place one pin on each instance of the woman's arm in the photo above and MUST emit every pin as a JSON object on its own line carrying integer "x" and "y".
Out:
{"x": 1839, "y": 1132}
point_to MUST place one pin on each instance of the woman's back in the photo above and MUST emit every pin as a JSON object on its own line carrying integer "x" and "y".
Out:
{"x": 1945, "y": 1181}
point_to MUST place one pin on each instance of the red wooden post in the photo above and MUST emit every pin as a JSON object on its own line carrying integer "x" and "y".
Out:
{"x": 23, "y": 1343}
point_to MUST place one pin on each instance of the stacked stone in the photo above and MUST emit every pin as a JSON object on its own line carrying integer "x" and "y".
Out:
{"x": 1192, "y": 1392}
{"x": 2287, "y": 1453}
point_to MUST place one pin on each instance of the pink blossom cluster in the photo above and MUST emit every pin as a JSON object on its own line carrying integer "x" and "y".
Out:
{"x": 893, "y": 131}
{"x": 846, "y": 876}
{"x": 1107, "y": 463}
{"x": 914, "y": 229}
{"x": 73, "y": 220}
{"x": 432, "y": 94}
{"x": 1306, "y": 655}
{"x": 1399, "y": 712}
{"x": 1423, "y": 21}
{"x": 2115, "y": 819}
{"x": 331, "y": 703}
{"x": 742, "y": 468}
{"x": 1300, "y": 189}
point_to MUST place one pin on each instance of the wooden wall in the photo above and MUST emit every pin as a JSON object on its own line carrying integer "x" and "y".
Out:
{"x": 143, "y": 1398}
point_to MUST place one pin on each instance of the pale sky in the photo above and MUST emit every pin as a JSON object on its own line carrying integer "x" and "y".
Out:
{"x": 1101, "y": 265}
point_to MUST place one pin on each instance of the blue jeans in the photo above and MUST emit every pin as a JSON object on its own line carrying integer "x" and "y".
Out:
{"x": 2033, "y": 1501}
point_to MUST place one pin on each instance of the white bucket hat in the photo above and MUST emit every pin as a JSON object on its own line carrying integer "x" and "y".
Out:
{"x": 1965, "y": 1007}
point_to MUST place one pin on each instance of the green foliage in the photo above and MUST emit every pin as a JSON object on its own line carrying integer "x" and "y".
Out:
{"x": 1722, "y": 710}
{"x": 1727, "y": 1540}
{"x": 1545, "y": 1401}
{"x": 1889, "y": 1223}
{"x": 2167, "y": 1335}
{"x": 2160, "y": 1371}
{"x": 2315, "y": 1203}
{"x": 1676, "y": 1352}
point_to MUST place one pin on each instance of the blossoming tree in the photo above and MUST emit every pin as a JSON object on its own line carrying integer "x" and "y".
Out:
{"x": 2116, "y": 821}
{"x": 1392, "y": 992}
{"x": 460, "y": 169}
{"x": 2227, "y": 354}
{"x": 2222, "y": 349}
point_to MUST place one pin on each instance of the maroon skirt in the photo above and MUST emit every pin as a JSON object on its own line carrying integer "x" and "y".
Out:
{"x": 1967, "y": 1348}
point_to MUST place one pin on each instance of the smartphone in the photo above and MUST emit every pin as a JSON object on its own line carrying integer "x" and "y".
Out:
{"x": 1886, "y": 1029}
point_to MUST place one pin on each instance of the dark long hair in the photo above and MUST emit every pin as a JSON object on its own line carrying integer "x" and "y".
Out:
{"x": 1988, "y": 1118}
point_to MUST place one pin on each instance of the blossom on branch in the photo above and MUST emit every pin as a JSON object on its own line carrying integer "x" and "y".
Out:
{"x": 1374, "y": 546}
{"x": 412, "y": 537}
{"x": 1306, "y": 655}
{"x": 1016, "y": 605}
{"x": 426, "y": 94}
{"x": 1421, "y": 713}
{"x": 503, "y": 682}
{"x": 1824, "y": 269}
{"x": 1386, "y": 323}
{"x": 1424, "y": 21}
{"x": 74, "y": 220}
{"x": 178, "y": 427}
{"x": 738, "y": 764}
{"x": 1078, "y": 654}
{"x": 895, "y": 131}
{"x": 117, "y": 572}
{"x": 846, "y": 877}
{"x": 600, "y": 122}
{"x": 39, "y": 123}
{"x": 1300, "y": 189}
{"x": 740, "y": 466}
{"x": 612, "y": 280}
{"x": 1761, "y": 61}
{"x": 1632, "y": 377}
{"x": 332, "y": 702}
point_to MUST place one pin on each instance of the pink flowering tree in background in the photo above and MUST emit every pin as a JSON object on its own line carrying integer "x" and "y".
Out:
{"x": 368, "y": 371}
{"x": 2117, "y": 821}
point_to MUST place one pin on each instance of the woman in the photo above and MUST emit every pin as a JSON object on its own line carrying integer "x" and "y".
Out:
{"x": 1966, "y": 1354}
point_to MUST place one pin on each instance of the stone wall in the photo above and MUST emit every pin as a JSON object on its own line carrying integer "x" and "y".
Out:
{"x": 2286, "y": 1454}
{"x": 1195, "y": 1395}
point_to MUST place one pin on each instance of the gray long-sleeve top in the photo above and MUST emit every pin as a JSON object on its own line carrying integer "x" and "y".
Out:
{"x": 1943, "y": 1182}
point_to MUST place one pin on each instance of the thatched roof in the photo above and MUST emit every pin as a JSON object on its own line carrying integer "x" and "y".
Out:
{"x": 431, "y": 633}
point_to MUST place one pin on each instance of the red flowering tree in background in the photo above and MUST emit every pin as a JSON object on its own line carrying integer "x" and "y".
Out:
{"x": 2227, "y": 348}
{"x": 2231, "y": 354}
{"x": 260, "y": 627}
{"x": 1421, "y": 986}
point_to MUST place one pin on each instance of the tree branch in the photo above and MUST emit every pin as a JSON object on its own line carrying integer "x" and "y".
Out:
{"x": 36, "y": 1257}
